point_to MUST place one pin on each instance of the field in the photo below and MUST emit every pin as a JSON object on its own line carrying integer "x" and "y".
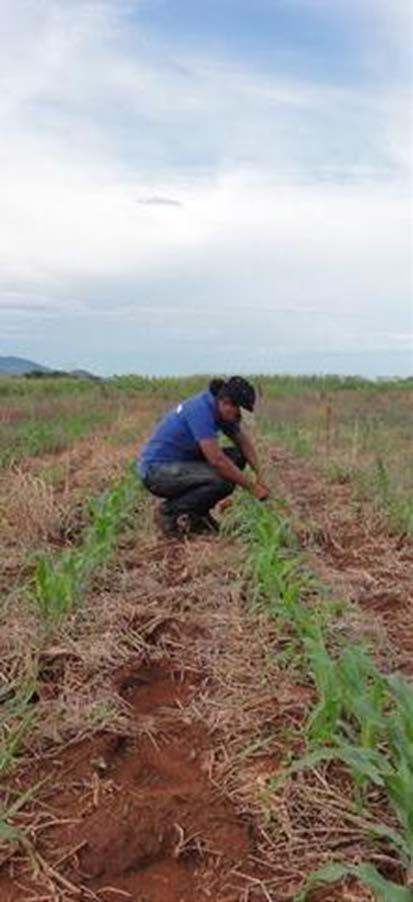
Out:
{"x": 226, "y": 719}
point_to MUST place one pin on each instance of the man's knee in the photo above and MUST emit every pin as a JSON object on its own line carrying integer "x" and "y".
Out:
{"x": 223, "y": 487}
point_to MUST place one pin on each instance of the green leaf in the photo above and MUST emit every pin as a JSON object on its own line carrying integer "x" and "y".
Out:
{"x": 330, "y": 873}
{"x": 386, "y": 832}
{"x": 385, "y": 890}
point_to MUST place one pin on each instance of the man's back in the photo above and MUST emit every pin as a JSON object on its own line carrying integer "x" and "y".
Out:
{"x": 178, "y": 434}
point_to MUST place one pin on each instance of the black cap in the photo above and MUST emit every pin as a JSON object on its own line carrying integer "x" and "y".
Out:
{"x": 241, "y": 392}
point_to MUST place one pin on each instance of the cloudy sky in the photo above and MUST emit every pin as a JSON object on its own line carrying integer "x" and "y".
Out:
{"x": 206, "y": 185}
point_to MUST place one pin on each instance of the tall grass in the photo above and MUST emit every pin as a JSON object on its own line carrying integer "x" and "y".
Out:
{"x": 361, "y": 437}
{"x": 19, "y": 386}
{"x": 32, "y": 438}
{"x": 39, "y": 424}
{"x": 268, "y": 386}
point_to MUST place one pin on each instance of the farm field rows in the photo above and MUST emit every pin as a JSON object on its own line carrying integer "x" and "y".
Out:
{"x": 218, "y": 719}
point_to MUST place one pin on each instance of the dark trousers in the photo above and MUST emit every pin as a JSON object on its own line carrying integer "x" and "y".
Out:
{"x": 191, "y": 487}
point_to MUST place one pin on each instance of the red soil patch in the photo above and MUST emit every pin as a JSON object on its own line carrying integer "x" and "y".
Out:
{"x": 139, "y": 817}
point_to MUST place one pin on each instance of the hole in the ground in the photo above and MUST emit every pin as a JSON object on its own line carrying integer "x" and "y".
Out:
{"x": 150, "y": 687}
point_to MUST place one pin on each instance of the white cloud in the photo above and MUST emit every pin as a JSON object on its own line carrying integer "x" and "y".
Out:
{"x": 132, "y": 170}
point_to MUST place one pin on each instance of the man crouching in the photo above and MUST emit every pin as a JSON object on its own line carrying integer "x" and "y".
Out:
{"x": 183, "y": 463}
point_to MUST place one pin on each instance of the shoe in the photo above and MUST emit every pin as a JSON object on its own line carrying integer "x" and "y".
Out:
{"x": 184, "y": 524}
{"x": 166, "y": 522}
{"x": 204, "y": 524}
{"x": 211, "y": 522}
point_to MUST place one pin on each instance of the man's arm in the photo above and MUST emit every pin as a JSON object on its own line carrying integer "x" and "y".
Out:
{"x": 248, "y": 449}
{"x": 245, "y": 443}
{"x": 228, "y": 470}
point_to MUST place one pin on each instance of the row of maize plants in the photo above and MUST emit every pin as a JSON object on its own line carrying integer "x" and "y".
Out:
{"x": 62, "y": 579}
{"x": 362, "y": 718}
{"x": 60, "y": 583}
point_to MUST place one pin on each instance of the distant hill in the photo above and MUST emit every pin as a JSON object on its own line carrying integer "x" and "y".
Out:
{"x": 18, "y": 366}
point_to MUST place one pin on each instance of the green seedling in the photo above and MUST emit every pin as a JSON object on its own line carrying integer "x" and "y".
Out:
{"x": 369, "y": 876}
{"x": 61, "y": 580}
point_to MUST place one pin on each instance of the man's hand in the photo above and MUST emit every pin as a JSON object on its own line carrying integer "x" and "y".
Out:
{"x": 228, "y": 470}
{"x": 260, "y": 491}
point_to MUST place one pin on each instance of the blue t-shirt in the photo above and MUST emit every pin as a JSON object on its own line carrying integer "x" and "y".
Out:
{"x": 178, "y": 434}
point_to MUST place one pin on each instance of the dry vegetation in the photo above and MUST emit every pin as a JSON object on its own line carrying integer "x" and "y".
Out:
{"x": 159, "y": 700}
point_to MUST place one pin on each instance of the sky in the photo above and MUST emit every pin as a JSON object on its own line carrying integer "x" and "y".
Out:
{"x": 207, "y": 185}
